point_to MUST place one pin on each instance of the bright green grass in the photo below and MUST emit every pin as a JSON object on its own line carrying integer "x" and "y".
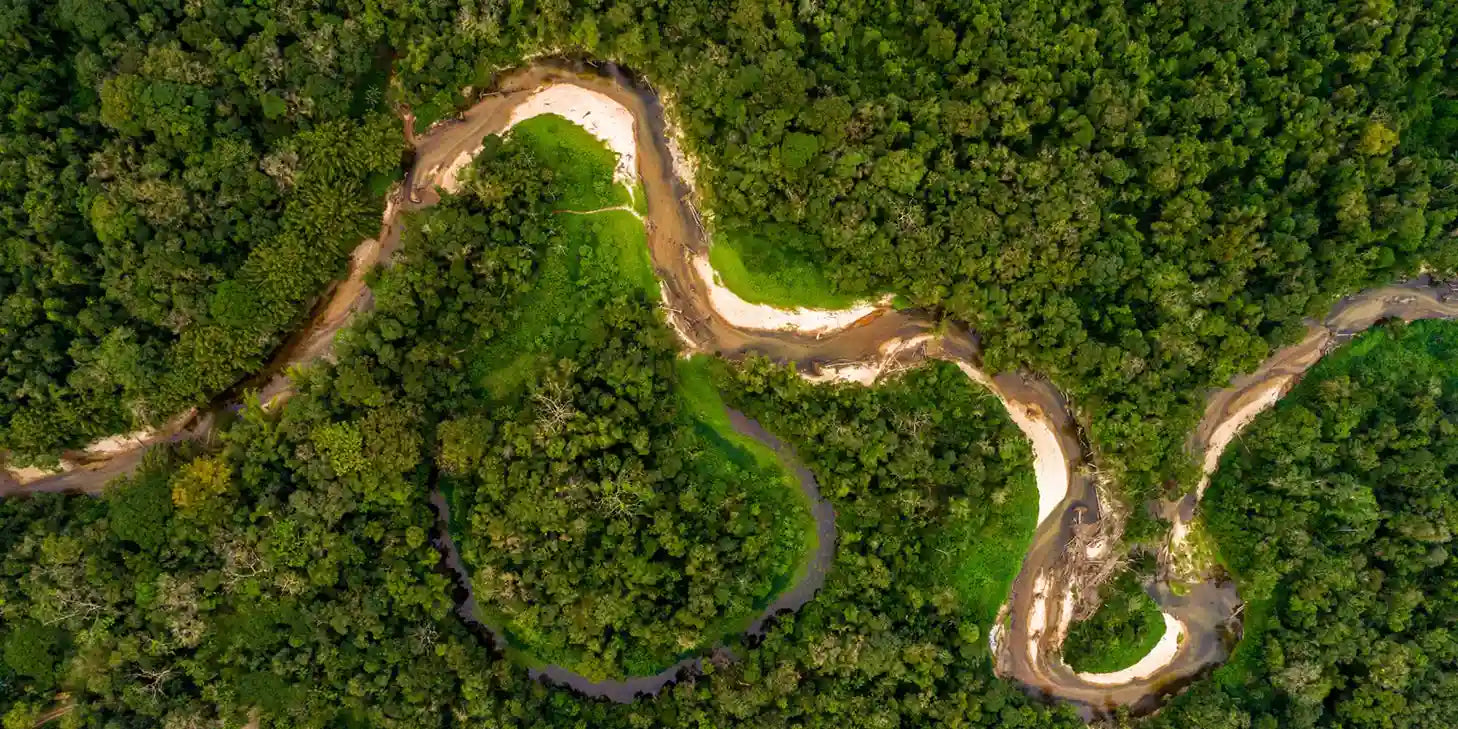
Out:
{"x": 640, "y": 199}
{"x": 582, "y": 165}
{"x": 1124, "y": 629}
{"x": 763, "y": 269}
{"x": 981, "y": 558}
{"x": 596, "y": 258}
{"x": 980, "y": 547}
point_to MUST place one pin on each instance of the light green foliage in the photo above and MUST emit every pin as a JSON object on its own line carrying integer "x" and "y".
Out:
{"x": 766, "y": 267}
{"x": 341, "y": 445}
{"x": 198, "y": 485}
{"x": 580, "y": 167}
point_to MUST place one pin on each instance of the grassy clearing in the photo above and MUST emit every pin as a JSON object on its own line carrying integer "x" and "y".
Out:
{"x": 596, "y": 257}
{"x": 766, "y": 268}
{"x": 591, "y": 260}
{"x": 1126, "y": 627}
{"x": 980, "y": 546}
{"x": 981, "y": 553}
{"x": 582, "y": 166}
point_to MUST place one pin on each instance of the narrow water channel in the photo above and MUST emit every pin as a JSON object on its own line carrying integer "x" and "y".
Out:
{"x": 627, "y": 689}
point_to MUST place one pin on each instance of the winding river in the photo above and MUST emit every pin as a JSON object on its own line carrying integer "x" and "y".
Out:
{"x": 874, "y": 345}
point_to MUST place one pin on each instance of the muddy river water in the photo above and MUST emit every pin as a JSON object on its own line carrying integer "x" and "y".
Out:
{"x": 1036, "y": 617}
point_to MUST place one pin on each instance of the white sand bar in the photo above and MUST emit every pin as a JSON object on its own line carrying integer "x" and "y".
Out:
{"x": 120, "y": 443}
{"x": 1049, "y": 464}
{"x": 1220, "y": 439}
{"x": 596, "y": 112}
{"x": 742, "y": 314}
{"x": 1037, "y": 616}
{"x": 1160, "y": 656}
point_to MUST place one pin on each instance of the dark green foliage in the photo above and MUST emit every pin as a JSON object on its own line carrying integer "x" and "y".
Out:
{"x": 296, "y": 579}
{"x": 175, "y": 184}
{"x": 1335, "y": 514}
{"x": 1123, "y": 630}
{"x": 1138, "y": 199}
{"x": 31, "y": 650}
{"x": 607, "y": 529}
{"x": 138, "y": 507}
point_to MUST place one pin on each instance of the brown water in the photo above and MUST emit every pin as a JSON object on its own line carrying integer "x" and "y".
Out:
{"x": 674, "y": 233}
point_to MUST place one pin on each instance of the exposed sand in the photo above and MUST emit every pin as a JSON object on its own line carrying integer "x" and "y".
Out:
{"x": 1065, "y": 613}
{"x": 1223, "y": 435}
{"x": 1050, "y": 464}
{"x": 447, "y": 180}
{"x": 31, "y": 474}
{"x": 1220, "y": 439}
{"x": 1161, "y": 655}
{"x": 686, "y": 167}
{"x": 596, "y": 112}
{"x": 602, "y": 117}
{"x": 120, "y": 443}
{"x": 861, "y": 373}
{"x": 741, "y": 313}
{"x": 1037, "y": 616}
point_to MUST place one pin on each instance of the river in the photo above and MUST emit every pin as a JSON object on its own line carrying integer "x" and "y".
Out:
{"x": 1038, "y": 611}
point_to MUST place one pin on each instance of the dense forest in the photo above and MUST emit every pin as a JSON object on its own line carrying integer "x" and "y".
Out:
{"x": 1138, "y": 199}
{"x": 610, "y": 525}
{"x": 1126, "y": 625}
{"x": 1335, "y": 513}
{"x": 286, "y": 573}
{"x": 176, "y": 183}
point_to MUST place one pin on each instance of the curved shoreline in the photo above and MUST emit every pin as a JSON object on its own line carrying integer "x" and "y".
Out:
{"x": 865, "y": 350}
{"x": 628, "y": 689}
